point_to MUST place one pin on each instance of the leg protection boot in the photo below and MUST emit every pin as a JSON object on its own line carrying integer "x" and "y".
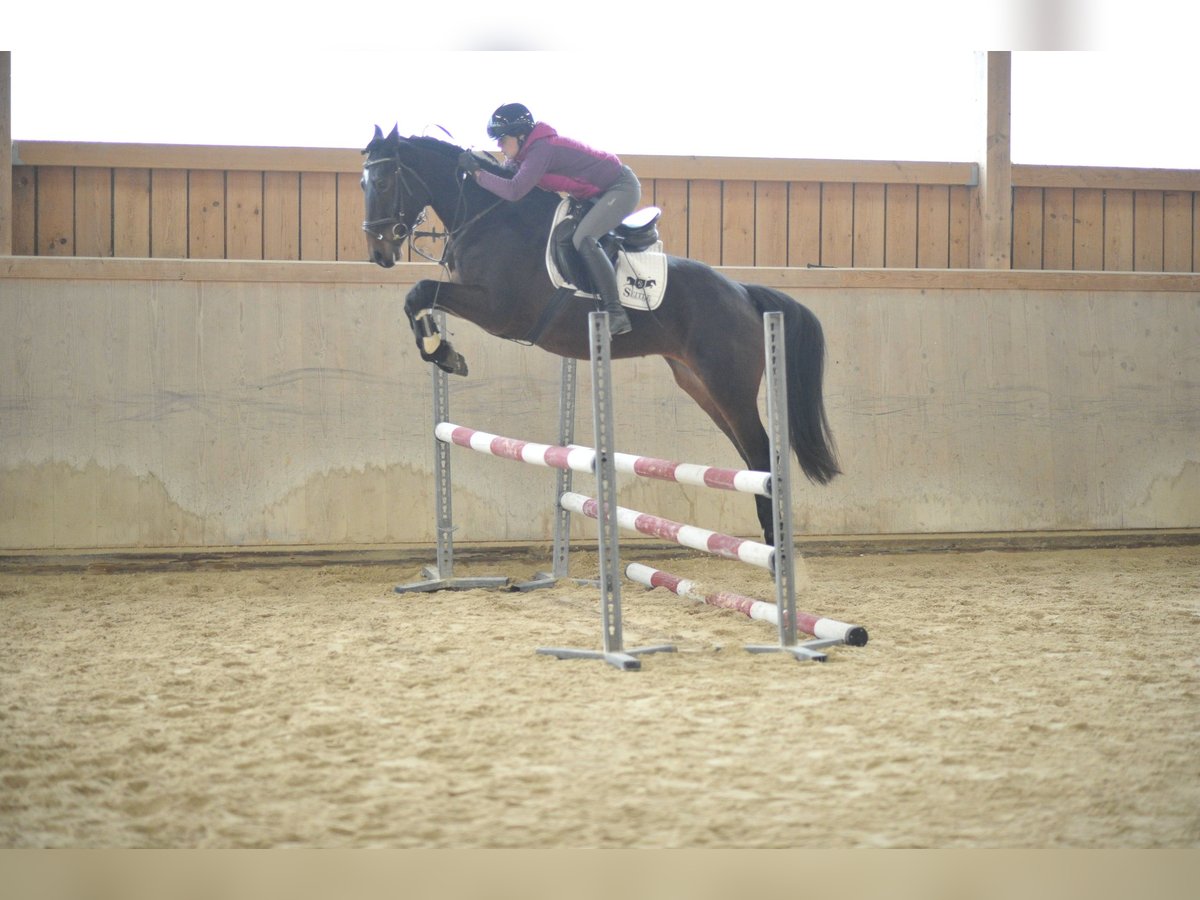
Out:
{"x": 605, "y": 281}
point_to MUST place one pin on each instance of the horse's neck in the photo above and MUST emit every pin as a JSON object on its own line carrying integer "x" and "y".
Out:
{"x": 455, "y": 205}
{"x": 456, "y": 202}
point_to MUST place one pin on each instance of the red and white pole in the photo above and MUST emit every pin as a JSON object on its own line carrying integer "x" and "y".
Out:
{"x": 817, "y": 626}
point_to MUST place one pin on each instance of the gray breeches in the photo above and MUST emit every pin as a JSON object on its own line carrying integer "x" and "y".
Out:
{"x": 610, "y": 208}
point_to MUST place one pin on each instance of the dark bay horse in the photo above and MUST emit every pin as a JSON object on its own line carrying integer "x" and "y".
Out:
{"x": 708, "y": 328}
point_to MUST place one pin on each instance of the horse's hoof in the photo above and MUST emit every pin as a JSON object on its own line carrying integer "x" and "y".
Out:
{"x": 453, "y": 363}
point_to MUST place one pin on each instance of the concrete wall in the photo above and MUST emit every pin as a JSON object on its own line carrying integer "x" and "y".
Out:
{"x": 190, "y": 404}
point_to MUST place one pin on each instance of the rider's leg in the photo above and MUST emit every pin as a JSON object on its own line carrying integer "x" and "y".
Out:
{"x": 604, "y": 279}
{"x": 609, "y": 210}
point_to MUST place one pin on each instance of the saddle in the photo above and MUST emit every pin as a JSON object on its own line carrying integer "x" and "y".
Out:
{"x": 633, "y": 247}
{"x": 639, "y": 232}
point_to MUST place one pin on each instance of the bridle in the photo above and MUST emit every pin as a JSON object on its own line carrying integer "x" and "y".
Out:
{"x": 397, "y": 220}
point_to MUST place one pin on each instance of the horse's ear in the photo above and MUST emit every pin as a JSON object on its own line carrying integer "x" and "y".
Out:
{"x": 395, "y": 133}
{"x": 378, "y": 137}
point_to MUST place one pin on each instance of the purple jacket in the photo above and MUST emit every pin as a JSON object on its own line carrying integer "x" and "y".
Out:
{"x": 556, "y": 164}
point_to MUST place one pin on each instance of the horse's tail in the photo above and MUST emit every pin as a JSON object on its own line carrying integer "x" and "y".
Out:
{"x": 811, "y": 436}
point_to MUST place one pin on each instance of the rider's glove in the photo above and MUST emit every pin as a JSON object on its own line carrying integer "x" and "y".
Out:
{"x": 468, "y": 162}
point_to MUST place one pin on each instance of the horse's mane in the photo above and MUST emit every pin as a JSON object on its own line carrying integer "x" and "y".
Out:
{"x": 453, "y": 151}
{"x": 434, "y": 145}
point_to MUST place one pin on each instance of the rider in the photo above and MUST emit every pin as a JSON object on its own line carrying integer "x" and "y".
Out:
{"x": 540, "y": 157}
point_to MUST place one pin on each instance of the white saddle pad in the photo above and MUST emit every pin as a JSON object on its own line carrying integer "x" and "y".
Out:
{"x": 641, "y": 277}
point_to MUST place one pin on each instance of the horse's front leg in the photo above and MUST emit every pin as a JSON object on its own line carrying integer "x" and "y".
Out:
{"x": 418, "y": 306}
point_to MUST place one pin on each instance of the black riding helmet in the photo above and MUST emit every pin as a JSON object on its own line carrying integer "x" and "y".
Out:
{"x": 511, "y": 118}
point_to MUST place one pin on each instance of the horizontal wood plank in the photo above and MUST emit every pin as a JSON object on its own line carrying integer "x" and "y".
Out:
{"x": 316, "y": 159}
{"x": 1102, "y": 177}
{"x": 406, "y": 273}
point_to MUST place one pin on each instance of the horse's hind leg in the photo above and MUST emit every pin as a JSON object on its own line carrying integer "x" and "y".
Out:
{"x": 735, "y": 412}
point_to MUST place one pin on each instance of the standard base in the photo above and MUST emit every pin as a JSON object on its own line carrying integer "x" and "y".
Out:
{"x": 435, "y": 582}
{"x": 809, "y": 650}
{"x": 621, "y": 659}
{"x": 546, "y": 579}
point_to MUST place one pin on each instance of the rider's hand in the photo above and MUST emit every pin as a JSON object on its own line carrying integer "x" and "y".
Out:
{"x": 468, "y": 162}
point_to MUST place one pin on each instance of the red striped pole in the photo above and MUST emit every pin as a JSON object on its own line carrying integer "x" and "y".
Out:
{"x": 578, "y": 459}
{"x": 723, "y": 545}
{"x": 583, "y": 459}
{"x": 817, "y": 626}
{"x": 745, "y": 481}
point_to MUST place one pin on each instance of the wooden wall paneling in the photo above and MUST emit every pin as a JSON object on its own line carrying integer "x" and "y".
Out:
{"x": 24, "y": 215}
{"x": 1178, "y": 231}
{"x": 900, "y": 226}
{"x": 7, "y": 161}
{"x": 351, "y": 245}
{"x": 244, "y": 215}
{"x": 770, "y": 223}
{"x": 1196, "y": 232}
{"x": 869, "y": 218}
{"x": 933, "y": 226}
{"x": 168, "y": 213}
{"x": 804, "y": 223}
{"x": 960, "y": 227}
{"x": 1027, "y": 228}
{"x": 737, "y": 223}
{"x": 318, "y": 216}
{"x": 1118, "y": 231}
{"x": 93, "y": 211}
{"x": 1058, "y": 228}
{"x": 837, "y": 224}
{"x": 648, "y": 190}
{"x": 1089, "y": 230}
{"x": 131, "y": 213}
{"x": 206, "y": 214}
{"x": 56, "y": 211}
{"x": 671, "y": 196}
{"x": 281, "y": 215}
{"x": 704, "y": 221}
{"x": 1148, "y": 231}
{"x": 1127, "y": 236}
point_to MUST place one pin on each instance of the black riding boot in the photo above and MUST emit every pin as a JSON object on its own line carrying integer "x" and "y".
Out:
{"x": 605, "y": 281}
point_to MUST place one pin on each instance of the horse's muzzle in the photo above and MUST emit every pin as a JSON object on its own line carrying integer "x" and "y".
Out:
{"x": 383, "y": 259}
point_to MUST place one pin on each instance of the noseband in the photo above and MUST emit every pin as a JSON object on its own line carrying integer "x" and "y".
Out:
{"x": 396, "y": 221}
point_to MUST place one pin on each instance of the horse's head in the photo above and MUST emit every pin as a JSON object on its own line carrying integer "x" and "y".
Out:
{"x": 394, "y": 195}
